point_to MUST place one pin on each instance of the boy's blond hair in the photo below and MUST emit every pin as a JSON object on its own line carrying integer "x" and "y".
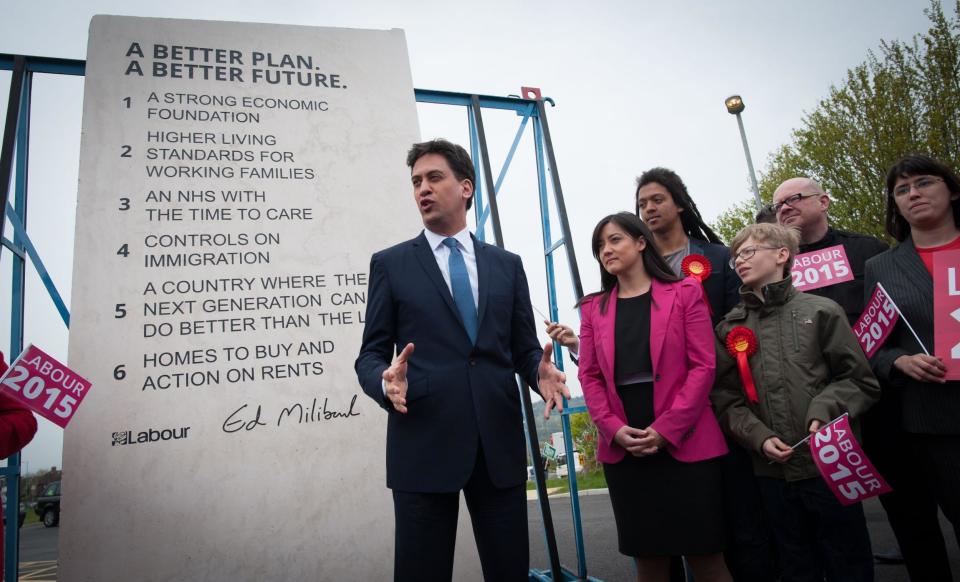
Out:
{"x": 768, "y": 234}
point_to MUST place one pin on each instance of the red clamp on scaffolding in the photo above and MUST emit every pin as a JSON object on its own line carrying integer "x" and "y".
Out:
{"x": 531, "y": 93}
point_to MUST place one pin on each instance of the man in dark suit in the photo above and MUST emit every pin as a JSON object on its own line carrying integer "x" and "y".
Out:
{"x": 457, "y": 312}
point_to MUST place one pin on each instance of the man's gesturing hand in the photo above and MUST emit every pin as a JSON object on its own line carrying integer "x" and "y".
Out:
{"x": 395, "y": 378}
{"x": 552, "y": 382}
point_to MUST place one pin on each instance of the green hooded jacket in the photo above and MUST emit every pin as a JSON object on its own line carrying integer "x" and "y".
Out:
{"x": 808, "y": 366}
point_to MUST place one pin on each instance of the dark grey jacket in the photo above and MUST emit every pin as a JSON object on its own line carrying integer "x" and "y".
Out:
{"x": 925, "y": 408}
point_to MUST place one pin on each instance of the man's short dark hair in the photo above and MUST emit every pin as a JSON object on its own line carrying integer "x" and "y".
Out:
{"x": 457, "y": 158}
{"x": 766, "y": 214}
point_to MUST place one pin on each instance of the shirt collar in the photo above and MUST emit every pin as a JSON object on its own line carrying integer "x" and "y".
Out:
{"x": 463, "y": 237}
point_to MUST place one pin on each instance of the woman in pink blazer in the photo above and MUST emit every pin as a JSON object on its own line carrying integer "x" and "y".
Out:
{"x": 646, "y": 367}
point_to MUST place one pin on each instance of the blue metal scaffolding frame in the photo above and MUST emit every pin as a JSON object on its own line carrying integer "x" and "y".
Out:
{"x": 486, "y": 213}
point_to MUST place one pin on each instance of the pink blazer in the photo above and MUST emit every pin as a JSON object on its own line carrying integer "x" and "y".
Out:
{"x": 683, "y": 356}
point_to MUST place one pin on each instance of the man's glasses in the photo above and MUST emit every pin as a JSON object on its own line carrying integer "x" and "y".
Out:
{"x": 792, "y": 200}
{"x": 747, "y": 254}
{"x": 921, "y": 184}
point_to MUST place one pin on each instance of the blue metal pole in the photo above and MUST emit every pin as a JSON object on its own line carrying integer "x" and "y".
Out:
{"x": 506, "y": 164}
{"x": 549, "y": 247}
{"x": 12, "y": 537}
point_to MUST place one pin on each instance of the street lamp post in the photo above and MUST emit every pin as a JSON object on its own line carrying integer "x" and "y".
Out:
{"x": 735, "y": 106}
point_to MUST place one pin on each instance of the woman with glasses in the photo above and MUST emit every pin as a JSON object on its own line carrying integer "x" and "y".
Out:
{"x": 646, "y": 368}
{"x": 923, "y": 214}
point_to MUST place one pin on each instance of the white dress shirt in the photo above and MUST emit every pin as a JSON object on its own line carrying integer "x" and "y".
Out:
{"x": 441, "y": 252}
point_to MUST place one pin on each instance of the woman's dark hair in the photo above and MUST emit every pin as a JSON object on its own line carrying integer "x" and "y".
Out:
{"x": 690, "y": 218}
{"x": 653, "y": 262}
{"x": 917, "y": 165}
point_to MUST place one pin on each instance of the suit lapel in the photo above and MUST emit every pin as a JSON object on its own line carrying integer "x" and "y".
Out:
{"x": 914, "y": 268}
{"x": 696, "y": 248}
{"x": 428, "y": 261}
{"x": 607, "y": 327}
{"x": 916, "y": 291}
{"x": 662, "y": 301}
{"x": 483, "y": 278}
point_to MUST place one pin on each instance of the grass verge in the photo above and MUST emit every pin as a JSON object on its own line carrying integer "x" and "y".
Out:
{"x": 592, "y": 480}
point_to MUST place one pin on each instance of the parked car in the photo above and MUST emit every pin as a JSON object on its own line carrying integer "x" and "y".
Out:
{"x": 562, "y": 464}
{"x": 47, "y": 506}
{"x": 23, "y": 511}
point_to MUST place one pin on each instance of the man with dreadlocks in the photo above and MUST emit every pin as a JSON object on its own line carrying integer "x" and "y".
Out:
{"x": 687, "y": 243}
{"x": 693, "y": 250}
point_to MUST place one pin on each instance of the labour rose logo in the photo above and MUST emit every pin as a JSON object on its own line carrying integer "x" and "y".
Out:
{"x": 698, "y": 267}
{"x": 741, "y": 344}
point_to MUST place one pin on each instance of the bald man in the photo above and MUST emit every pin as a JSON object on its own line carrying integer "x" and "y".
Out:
{"x": 801, "y": 203}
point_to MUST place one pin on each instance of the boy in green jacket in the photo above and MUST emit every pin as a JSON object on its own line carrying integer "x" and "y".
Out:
{"x": 806, "y": 368}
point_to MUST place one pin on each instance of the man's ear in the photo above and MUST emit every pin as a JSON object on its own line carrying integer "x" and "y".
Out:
{"x": 824, "y": 202}
{"x": 467, "y": 186}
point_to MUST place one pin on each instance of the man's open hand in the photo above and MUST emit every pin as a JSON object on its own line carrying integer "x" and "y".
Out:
{"x": 551, "y": 382}
{"x": 395, "y": 379}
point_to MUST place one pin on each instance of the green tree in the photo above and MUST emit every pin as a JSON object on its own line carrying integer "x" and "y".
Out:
{"x": 584, "y": 434}
{"x": 905, "y": 98}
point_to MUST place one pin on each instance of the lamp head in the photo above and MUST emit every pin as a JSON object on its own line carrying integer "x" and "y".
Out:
{"x": 734, "y": 104}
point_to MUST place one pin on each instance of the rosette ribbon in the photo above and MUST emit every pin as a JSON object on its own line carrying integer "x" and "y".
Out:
{"x": 698, "y": 267}
{"x": 741, "y": 344}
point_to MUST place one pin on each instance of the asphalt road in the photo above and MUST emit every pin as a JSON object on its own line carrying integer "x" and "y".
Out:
{"x": 38, "y": 553}
{"x": 605, "y": 563}
{"x": 38, "y": 545}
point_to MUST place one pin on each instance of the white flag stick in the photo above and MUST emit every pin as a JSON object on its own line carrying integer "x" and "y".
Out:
{"x": 540, "y": 313}
{"x": 810, "y": 435}
{"x": 822, "y": 427}
{"x": 902, "y": 317}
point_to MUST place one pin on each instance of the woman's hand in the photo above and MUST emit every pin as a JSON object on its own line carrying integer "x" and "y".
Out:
{"x": 563, "y": 334}
{"x": 922, "y": 367}
{"x": 638, "y": 442}
{"x": 652, "y": 441}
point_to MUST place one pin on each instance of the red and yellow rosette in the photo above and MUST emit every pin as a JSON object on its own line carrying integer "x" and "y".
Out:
{"x": 698, "y": 267}
{"x": 741, "y": 344}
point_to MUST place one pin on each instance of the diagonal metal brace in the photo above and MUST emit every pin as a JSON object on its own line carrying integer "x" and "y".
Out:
{"x": 21, "y": 235}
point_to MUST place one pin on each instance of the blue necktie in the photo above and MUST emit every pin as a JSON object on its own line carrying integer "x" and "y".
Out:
{"x": 462, "y": 294}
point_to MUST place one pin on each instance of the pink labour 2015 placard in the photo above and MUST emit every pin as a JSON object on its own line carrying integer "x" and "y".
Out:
{"x": 45, "y": 386}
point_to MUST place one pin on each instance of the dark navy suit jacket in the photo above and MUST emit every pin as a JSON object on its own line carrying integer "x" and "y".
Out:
{"x": 460, "y": 395}
{"x": 723, "y": 284}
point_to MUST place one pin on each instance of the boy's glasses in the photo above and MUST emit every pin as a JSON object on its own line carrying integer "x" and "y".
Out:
{"x": 747, "y": 254}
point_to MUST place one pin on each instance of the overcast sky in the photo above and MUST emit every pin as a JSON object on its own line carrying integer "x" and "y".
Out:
{"x": 637, "y": 84}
